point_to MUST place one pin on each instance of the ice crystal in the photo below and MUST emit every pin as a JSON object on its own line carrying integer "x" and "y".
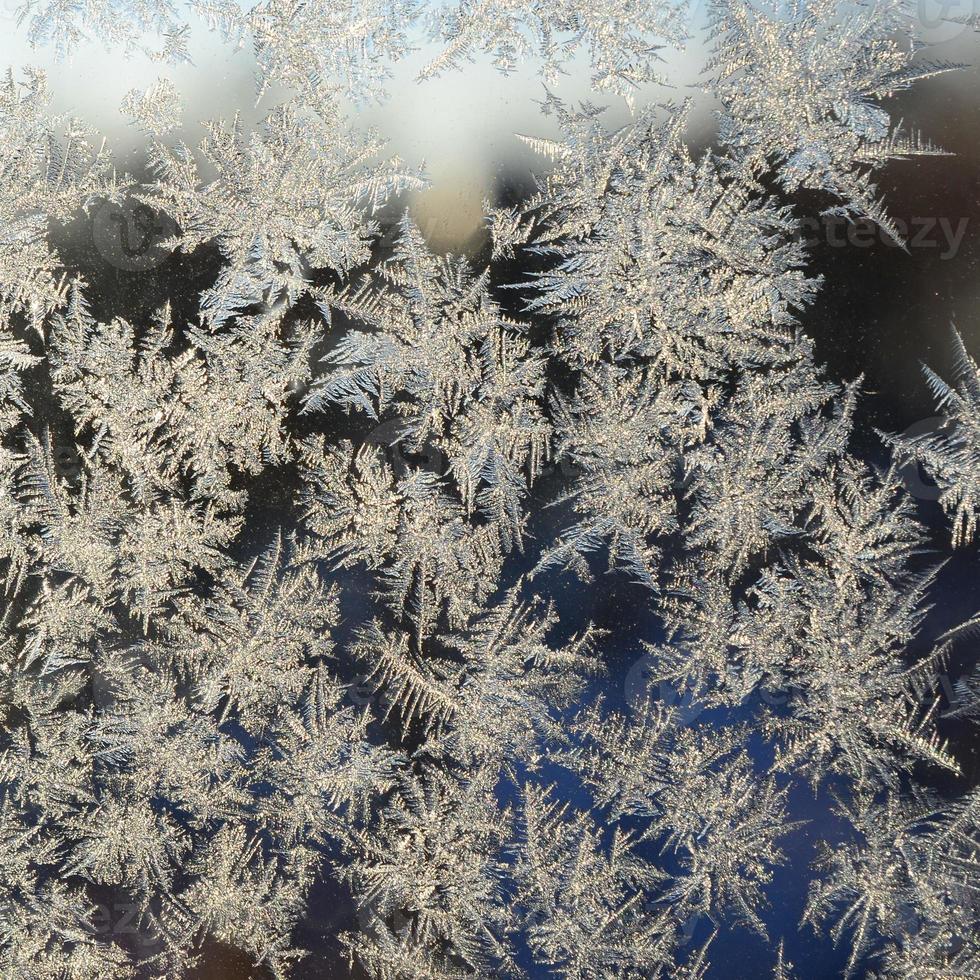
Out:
{"x": 799, "y": 83}
{"x": 950, "y": 453}
{"x": 153, "y": 27}
{"x": 283, "y": 560}
{"x": 618, "y": 36}
{"x": 156, "y": 109}
{"x": 294, "y": 196}
{"x": 51, "y": 166}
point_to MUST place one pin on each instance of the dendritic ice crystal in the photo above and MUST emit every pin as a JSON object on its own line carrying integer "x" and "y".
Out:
{"x": 299, "y": 558}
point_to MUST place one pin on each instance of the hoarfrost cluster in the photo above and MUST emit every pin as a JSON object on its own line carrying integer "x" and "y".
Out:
{"x": 207, "y": 713}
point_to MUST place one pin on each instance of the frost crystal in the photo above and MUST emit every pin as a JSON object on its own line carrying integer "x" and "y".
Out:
{"x": 951, "y": 453}
{"x": 285, "y": 541}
